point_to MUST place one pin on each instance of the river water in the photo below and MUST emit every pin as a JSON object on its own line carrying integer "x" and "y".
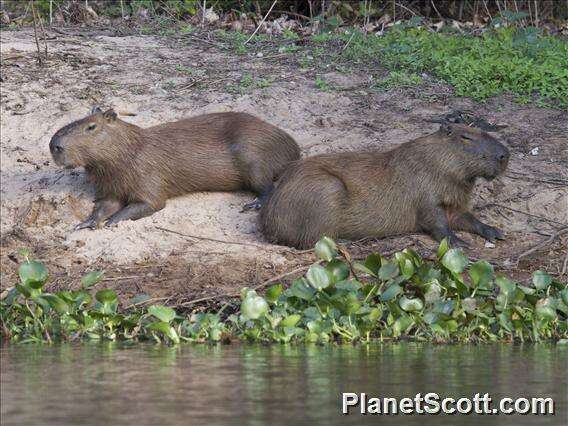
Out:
{"x": 113, "y": 384}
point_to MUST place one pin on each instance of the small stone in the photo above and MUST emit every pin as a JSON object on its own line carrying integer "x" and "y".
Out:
{"x": 534, "y": 151}
{"x": 489, "y": 244}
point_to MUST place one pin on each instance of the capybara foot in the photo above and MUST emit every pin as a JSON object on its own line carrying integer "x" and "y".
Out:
{"x": 89, "y": 223}
{"x": 491, "y": 234}
{"x": 457, "y": 242}
{"x": 255, "y": 204}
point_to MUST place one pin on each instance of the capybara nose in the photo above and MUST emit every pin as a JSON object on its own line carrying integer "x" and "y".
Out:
{"x": 55, "y": 146}
{"x": 502, "y": 156}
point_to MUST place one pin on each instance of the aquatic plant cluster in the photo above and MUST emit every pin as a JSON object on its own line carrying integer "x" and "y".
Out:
{"x": 448, "y": 299}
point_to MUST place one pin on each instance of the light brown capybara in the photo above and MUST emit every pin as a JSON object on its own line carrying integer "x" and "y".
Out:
{"x": 424, "y": 185}
{"x": 135, "y": 170}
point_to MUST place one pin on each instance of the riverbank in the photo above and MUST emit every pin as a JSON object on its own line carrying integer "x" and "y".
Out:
{"x": 319, "y": 88}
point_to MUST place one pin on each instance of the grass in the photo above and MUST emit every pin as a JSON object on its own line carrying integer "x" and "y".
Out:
{"x": 523, "y": 62}
{"x": 447, "y": 300}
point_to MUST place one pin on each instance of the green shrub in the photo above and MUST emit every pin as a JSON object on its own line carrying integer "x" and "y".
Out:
{"x": 521, "y": 61}
{"x": 450, "y": 299}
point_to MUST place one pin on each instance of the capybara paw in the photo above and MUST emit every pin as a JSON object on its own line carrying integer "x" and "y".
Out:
{"x": 112, "y": 221}
{"x": 491, "y": 234}
{"x": 255, "y": 204}
{"x": 89, "y": 223}
{"x": 457, "y": 242}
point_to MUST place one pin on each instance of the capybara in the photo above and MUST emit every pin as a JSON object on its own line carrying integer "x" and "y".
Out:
{"x": 423, "y": 185}
{"x": 135, "y": 170}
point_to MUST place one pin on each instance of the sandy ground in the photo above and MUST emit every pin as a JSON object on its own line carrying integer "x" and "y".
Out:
{"x": 153, "y": 79}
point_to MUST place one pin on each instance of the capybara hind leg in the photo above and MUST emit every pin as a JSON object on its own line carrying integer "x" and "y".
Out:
{"x": 434, "y": 221}
{"x": 259, "y": 201}
{"x": 133, "y": 211}
{"x": 103, "y": 210}
{"x": 465, "y": 221}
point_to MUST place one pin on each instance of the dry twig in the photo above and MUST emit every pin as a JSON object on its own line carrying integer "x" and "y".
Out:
{"x": 261, "y": 22}
{"x": 543, "y": 244}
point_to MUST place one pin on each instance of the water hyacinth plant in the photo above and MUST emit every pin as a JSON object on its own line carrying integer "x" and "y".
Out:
{"x": 449, "y": 299}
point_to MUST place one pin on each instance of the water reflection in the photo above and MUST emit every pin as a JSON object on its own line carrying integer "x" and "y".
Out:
{"x": 243, "y": 384}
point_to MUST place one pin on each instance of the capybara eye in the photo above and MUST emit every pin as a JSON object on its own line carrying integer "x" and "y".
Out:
{"x": 91, "y": 127}
{"x": 466, "y": 139}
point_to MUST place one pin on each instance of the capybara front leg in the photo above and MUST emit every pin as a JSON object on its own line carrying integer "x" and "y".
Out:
{"x": 465, "y": 221}
{"x": 434, "y": 222}
{"x": 132, "y": 211}
{"x": 103, "y": 210}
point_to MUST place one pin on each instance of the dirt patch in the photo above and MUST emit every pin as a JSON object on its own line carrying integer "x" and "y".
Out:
{"x": 152, "y": 79}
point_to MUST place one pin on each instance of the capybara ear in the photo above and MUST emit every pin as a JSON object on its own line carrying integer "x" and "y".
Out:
{"x": 96, "y": 109}
{"x": 109, "y": 115}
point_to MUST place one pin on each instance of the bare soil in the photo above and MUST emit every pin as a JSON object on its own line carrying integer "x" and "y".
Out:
{"x": 150, "y": 79}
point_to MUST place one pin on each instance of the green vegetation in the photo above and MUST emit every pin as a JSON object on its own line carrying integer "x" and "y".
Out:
{"x": 521, "y": 61}
{"x": 399, "y": 79}
{"x": 449, "y": 299}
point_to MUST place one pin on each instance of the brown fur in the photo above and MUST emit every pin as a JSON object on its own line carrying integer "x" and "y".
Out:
{"x": 420, "y": 186}
{"x": 212, "y": 152}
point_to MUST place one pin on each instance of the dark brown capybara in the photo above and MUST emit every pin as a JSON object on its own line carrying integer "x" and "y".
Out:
{"x": 424, "y": 185}
{"x": 135, "y": 170}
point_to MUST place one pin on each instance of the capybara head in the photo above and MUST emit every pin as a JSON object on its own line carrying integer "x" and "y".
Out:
{"x": 472, "y": 152}
{"x": 82, "y": 141}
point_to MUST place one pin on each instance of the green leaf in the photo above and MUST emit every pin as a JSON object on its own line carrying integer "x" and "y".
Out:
{"x": 455, "y": 261}
{"x": 564, "y": 295}
{"x": 469, "y": 305}
{"x": 359, "y": 267}
{"x": 433, "y": 292}
{"x": 254, "y": 307}
{"x": 445, "y": 307}
{"x": 163, "y": 313}
{"x": 407, "y": 268}
{"x": 545, "y": 309}
{"x": 56, "y": 303}
{"x": 390, "y": 293}
{"x": 166, "y": 329}
{"x": 443, "y": 248}
{"x": 106, "y": 296}
{"x": 388, "y": 270}
{"x": 541, "y": 280}
{"x": 274, "y": 292}
{"x": 326, "y": 249}
{"x": 33, "y": 274}
{"x": 139, "y": 299}
{"x": 91, "y": 279}
{"x": 411, "y": 304}
{"x": 482, "y": 274}
{"x": 291, "y": 320}
{"x": 23, "y": 290}
{"x": 338, "y": 270}
{"x": 318, "y": 277}
{"x": 348, "y": 285}
{"x": 301, "y": 289}
{"x": 373, "y": 263}
{"x": 507, "y": 286}
{"x": 401, "y": 325}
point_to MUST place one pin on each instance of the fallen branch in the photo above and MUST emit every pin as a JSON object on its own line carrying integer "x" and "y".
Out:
{"x": 543, "y": 244}
{"x": 542, "y": 218}
{"x": 261, "y": 22}
{"x": 39, "y": 58}
{"x": 197, "y": 237}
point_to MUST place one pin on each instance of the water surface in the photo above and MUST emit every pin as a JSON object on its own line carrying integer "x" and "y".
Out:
{"x": 100, "y": 384}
